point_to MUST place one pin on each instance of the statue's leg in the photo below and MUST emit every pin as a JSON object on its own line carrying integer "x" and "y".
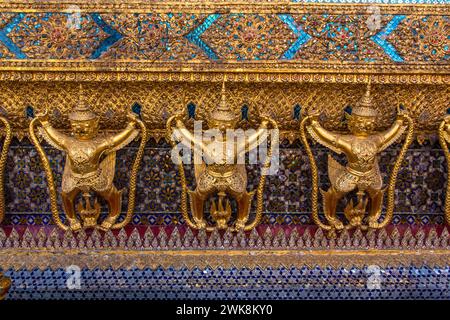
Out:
{"x": 114, "y": 199}
{"x": 330, "y": 200}
{"x": 376, "y": 202}
{"x": 197, "y": 201}
{"x": 69, "y": 208}
{"x": 243, "y": 203}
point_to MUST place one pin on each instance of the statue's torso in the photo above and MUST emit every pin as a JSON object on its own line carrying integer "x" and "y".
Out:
{"x": 362, "y": 169}
{"x": 225, "y": 162}
{"x": 84, "y": 156}
{"x": 363, "y": 154}
{"x": 222, "y": 175}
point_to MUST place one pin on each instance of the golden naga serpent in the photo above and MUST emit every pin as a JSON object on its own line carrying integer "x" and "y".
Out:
{"x": 3, "y": 158}
{"x": 314, "y": 176}
{"x": 51, "y": 180}
{"x": 391, "y": 186}
{"x": 444, "y": 146}
{"x": 133, "y": 177}
{"x": 259, "y": 190}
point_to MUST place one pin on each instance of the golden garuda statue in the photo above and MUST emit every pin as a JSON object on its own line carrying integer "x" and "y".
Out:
{"x": 89, "y": 167}
{"x": 444, "y": 139}
{"x": 361, "y": 174}
{"x": 219, "y": 171}
{"x": 3, "y": 158}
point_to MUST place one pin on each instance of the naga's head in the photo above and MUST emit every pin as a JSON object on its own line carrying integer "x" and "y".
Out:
{"x": 361, "y": 121}
{"x": 83, "y": 121}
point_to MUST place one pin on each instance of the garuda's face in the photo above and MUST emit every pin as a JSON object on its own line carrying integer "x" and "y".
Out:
{"x": 359, "y": 125}
{"x": 223, "y": 126}
{"x": 84, "y": 130}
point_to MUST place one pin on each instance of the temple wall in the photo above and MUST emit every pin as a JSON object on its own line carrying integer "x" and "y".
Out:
{"x": 281, "y": 59}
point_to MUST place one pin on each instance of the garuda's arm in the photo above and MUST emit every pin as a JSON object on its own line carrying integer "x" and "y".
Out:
{"x": 53, "y": 136}
{"x": 254, "y": 140}
{"x": 326, "y": 138}
{"x": 121, "y": 139}
{"x": 392, "y": 134}
{"x": 183, "y": 135}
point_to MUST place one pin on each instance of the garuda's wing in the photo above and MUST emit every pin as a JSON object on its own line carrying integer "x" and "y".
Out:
{"x": 318, "y": 139}
{"x": 389, "y": 142}
{"x": 108, "y": 167}
{"x": 49, "y": 140}
{"x": 335, "y": 169}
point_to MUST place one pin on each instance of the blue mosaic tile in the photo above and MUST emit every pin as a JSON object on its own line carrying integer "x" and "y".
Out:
{"x": 269, "y": 283}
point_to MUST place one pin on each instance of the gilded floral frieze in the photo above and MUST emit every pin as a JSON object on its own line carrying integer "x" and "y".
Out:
{"x": 216, "y": 37}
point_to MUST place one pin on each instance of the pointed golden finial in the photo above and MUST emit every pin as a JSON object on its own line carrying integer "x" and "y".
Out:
{"x": 223, "y": 98}
{"x": 365, "y": 106}
{"x": 223, "y": 112}
{"x": 368, "y": 87}
{"x": 82, "y": 112}
{"x": 81, "y": 97}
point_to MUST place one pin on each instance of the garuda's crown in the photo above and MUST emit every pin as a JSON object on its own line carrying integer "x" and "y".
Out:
{"x": 223, "y": 112}
{"x": 365, "y": 108}
{"x": 82, "y": 112}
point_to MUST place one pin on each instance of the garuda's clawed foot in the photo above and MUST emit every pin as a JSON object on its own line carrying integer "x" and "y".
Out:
{"x": 107, "y": 223}
{"x": 201, "y": 224}
{"x": 373, "y": 223}
{"x": 75, "y": 225}
{"x": 239, "y": 226}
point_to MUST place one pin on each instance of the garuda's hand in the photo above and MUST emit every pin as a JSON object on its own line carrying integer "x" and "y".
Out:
{"x": 132, "y": 117}
{"x": 314, "y": 114}
{"x": 180, "y": 116}
{"x": 401, "y": 113}
{"x": 43, "y": 116}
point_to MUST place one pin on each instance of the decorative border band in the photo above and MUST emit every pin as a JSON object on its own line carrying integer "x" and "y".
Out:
{"x": 29, "y": 259}
{"x": 239, "y": 76}
{"x": 234, "y": 6}
{"x": 301, "y": 40}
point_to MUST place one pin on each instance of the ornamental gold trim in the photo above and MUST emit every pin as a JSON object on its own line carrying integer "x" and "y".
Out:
{"x": 77, "y": 74}
{"x": 209, "y": 6}
{"x": 42, "y": 259}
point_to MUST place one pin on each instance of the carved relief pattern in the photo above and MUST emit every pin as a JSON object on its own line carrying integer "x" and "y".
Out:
{"x": 110, "y": 101}
{"x": 429, "y": 35}
{"x": 49, "y": 36}
{"x": 151, "y": 39}
{"x": 249, "y": 37}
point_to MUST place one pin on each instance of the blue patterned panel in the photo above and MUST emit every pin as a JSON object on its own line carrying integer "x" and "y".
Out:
{"x": 7, "y": 42}
{"x": 108, "y": 42}
{"x": 260, "y": 283}
{"x": 303, "y": 37}
{"x": 194, "y": 36}
{"x": 380, "y": 38}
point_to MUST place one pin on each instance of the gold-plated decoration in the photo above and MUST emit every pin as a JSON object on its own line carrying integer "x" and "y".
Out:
{"x": 90, "y": 167}
{"x": 5, "y": 284}
{"x": 3, "y": 158}
{"x": 361, "y": 147}
{"x": 219, "y": 175}
{"x": 276, "y": 98}
{"x": 444, "y": 139}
